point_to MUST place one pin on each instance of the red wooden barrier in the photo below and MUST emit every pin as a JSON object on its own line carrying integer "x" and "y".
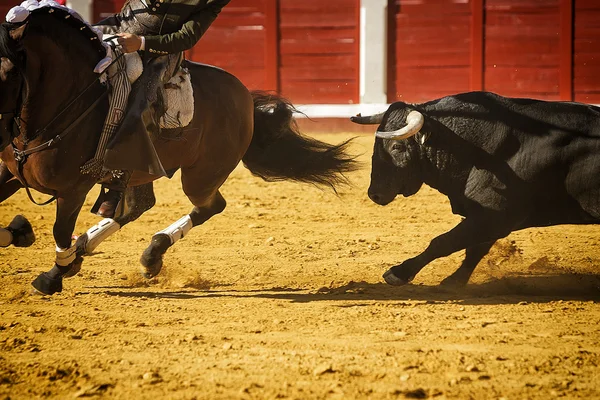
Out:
{"x": 586, "y": 47}
{"x": 431, "y": 56}
{"x": 106, "y": 8}
{"x": 237, "y": 42}
{"x": 306, "y": 50}
{"x": 319, "y": 50}
{"x": 309, "y": 50}
{"x": 547, "y": 49}
{"x": 522, "y": 48}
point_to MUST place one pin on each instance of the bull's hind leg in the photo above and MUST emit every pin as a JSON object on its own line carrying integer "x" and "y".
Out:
{"x": 474, "y": 232}
{"x": 204, "y": 209}
{"x": 474, "y": 254}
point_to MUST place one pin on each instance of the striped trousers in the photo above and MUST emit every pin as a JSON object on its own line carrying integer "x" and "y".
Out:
{"x": 118, "y": 93}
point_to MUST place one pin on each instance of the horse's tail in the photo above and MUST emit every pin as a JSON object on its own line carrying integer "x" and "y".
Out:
{"x": 278, "y": 151}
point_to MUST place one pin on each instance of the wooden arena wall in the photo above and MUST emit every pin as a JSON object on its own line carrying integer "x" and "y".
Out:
{"x": 547, "y": 49}
{"x": 309, "y": 50}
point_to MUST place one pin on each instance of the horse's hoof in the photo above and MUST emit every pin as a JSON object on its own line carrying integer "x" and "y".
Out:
{"x": 151, "y": 259}
{"x": 47, "y": 285}
{"x": 22, "y": 232}
{"x": 75, "y": 268}
{"x": 392, "y": 279}
{"x": 150, "y": 271}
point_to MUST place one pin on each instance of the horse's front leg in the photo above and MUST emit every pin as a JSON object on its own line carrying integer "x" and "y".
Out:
{"x": 19, "y": 232}
{"x": 67, "y": 210}
{"x": 138, "y": 199}
{"x": 8, "y": 183}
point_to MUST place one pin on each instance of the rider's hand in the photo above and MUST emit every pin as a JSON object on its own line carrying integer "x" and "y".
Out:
{"x": 129, "y": 42}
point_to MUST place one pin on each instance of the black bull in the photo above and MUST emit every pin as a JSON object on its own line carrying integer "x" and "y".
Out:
{"x": 505, "y": 164}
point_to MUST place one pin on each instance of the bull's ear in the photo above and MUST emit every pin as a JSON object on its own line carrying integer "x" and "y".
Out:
{"x": 422, "y": 137}
{"x": 18, "y": 33}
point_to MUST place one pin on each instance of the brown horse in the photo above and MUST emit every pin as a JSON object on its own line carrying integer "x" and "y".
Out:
{"x": 53, "y": 107}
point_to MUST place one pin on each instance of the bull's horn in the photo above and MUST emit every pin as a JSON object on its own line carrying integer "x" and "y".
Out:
{"x": 369, "y": 119}
{"x": 414, "y": 123}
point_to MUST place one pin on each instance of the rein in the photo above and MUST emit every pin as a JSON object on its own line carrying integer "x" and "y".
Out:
{"x": 21, "y": 155}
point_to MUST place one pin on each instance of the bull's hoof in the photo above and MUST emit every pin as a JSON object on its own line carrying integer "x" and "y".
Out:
{"x": 22, "y": 232}
{"x": 454, "y": 282}
{"x": 47, "y": 285}
{"x": 152, "y": 258}
{"x": 392, "y": 279}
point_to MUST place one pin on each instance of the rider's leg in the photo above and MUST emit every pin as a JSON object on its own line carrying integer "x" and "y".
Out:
{"x": 120, "y": 88}
{"x": 161, "y": 70}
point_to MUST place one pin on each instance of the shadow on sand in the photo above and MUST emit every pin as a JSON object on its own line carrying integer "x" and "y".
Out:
{"x": 508, "y": 290}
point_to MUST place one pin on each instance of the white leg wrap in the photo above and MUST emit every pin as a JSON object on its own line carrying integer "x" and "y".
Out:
{"x": 65, "y": 257}
{"x": 179, "y": 229}
{"x": 6, "y": 237}
{"x": 97, "y": 233}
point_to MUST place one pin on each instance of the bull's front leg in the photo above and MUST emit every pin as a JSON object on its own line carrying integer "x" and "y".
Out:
{"x": 475, "y": 233}
{"x": 67, "y": 210}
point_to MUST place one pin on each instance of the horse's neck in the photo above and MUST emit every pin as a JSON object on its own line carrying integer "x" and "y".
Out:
{"x": 51, "y": 83}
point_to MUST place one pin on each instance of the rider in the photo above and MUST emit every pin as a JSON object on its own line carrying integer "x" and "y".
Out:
{"x": 162, "y": 30}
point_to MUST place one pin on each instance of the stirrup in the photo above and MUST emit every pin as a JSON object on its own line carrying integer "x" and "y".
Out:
{"x": 109, "y": 196}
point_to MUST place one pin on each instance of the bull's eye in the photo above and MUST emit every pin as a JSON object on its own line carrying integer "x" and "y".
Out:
{"x": 397, "y": 147}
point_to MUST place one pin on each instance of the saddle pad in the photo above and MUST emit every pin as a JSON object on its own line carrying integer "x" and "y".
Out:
{"x": 179, "y": 101}
{"x": 179, "y": 95}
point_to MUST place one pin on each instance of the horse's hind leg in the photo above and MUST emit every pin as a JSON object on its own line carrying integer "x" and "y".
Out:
{"x": 138, "y": 200}
{"x": 204, "y": 209}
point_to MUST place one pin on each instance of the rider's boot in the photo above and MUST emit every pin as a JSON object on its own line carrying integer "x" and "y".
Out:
{"x": 116, "y": 187}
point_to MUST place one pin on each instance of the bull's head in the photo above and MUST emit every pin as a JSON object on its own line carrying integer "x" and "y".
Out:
{"x": 395, "y": 168}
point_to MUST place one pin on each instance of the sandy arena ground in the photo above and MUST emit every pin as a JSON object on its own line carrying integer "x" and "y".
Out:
{"x": 281, "y": 296}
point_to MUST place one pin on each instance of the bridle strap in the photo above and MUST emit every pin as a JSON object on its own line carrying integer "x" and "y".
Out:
{"x": 21, "y": 156}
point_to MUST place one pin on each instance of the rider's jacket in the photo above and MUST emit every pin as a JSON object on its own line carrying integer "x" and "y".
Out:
{"x": 169, "y": 26}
